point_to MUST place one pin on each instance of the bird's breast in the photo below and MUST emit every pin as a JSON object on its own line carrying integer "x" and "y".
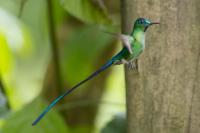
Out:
{"x": 143, "y": 41}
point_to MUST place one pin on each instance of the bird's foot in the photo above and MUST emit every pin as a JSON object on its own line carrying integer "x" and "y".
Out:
{"x": 123, "y": 61}
{"x": 132, "y": 65}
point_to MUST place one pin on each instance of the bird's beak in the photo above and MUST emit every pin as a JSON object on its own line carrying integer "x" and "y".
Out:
{"x": 152, "y": 23}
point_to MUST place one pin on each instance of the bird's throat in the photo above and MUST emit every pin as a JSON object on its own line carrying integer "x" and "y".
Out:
{"x": 139, "y": 36}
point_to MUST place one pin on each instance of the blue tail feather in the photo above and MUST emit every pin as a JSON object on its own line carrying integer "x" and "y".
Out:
{"x": 105, "y": 66}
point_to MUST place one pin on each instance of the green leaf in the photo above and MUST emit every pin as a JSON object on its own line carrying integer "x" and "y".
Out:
{"x": 20, "y": 121}
{"x": 17, "y": 35}
{"x": 5, "y": 56}
{"x": 15, "y": 46}
{"x": 86, "y": 10}
{"x": 11, "y": 5}
{"x": 81, "y": 51}
{"x": 116, "y": 125}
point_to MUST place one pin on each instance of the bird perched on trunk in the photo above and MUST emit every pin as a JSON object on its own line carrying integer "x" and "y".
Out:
{"x": 134, "y": 45}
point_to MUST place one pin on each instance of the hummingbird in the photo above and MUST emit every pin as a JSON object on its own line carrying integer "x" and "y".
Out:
{"x": 133, "y": 46}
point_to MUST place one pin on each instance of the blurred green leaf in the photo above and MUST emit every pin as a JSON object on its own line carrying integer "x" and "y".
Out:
{"x": 86, "y": 10}
{"x": 116, "y": 125}
{"x": 28, "y": 36}
{"x": 16, "y": 45}
{"x": 5, "y": 56}
{"x": 17, "y": 36}
{"x": 11, "y": 5}
{"x": 20, "y": 121}
{"x": 59, "y": 12}
{"x": 81, "y": 51}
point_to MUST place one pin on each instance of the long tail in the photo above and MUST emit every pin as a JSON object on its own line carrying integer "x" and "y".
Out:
{"x": 105, "y": 66}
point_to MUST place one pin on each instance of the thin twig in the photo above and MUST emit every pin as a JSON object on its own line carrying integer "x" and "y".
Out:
{"x": 54, "y": 45}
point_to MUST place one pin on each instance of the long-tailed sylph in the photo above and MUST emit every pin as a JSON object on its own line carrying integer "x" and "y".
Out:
{"x": 134, "y": 45}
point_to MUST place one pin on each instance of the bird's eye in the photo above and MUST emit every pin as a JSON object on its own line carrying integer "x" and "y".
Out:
{"x": 141, "y": 21}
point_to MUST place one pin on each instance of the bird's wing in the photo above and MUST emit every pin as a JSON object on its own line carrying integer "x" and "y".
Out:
{"x": 126, "y": 40}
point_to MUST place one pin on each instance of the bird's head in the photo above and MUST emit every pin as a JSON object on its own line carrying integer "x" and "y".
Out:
{"x": 143, "y": 23}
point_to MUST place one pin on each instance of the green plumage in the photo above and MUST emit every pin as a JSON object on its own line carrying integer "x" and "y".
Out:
{"x": 137, "y": 46}
{"x": 135, "y": 43}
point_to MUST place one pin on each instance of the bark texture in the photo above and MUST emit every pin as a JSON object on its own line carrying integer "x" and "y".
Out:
{"x": 163, "y": 96}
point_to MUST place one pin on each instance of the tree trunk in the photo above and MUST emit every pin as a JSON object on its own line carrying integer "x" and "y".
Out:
{"x": 163, "y": 95}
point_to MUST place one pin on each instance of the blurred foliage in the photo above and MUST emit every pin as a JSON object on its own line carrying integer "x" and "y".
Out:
{"x": 20, "y": 120}
{"x": 116, "y": 125}
{"x": 15, "y": 40}
{"x": 25, "y": 54}
{"x": 11, "y": 6}
{"x": 5, "y": 56}
{"x": 113, "y": 98}
{"x": 3, "y": 107}
{"x": 82, "y": 49}
{"x": 16, "y": 44}
{"x": 59, "y": 13}
{"x": 87, "y": 11}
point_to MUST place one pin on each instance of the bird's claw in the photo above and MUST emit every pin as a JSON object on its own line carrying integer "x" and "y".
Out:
{"x": 132, "y": 65}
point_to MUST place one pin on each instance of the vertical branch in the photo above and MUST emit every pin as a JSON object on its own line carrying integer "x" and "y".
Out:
{"x": 54, "y": 45}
